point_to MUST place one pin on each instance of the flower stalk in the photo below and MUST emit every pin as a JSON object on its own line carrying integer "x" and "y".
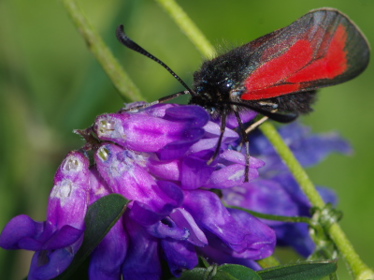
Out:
{"x": 297, "y": 170}
{"x": 357, "y": 267}
{"x": 114, "y": 70}
{"x": 188, "y": 27}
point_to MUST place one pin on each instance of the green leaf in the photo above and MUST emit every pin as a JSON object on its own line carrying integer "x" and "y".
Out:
{"x": 237, "y": 272}
{"x": 100, "y": 218}
{"x": 195, "y": 274}
{"x": 224, "y": 272}
{"x": 310, "y": 271}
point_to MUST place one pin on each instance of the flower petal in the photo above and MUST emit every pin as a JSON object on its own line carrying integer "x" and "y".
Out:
{"x": 107, "y": 259}
{"x": 185, "y": 220}
{"x": 194, "y": 173}
{"x": 18, "y": 232}
{"x": 68, "y": 200}
{"x": 143, "y": 259}
{"x": 180, "y": 256}
{"x": 212, "y": 216}
{"x": 49, "y": 264}
{"x": 167, "y": 228}
{"x": 264, "y": 196}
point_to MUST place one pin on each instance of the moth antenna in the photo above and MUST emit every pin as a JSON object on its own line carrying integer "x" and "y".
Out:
{"x": 126, "y": 41}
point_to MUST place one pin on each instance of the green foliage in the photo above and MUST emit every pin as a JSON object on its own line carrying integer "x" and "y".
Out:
{"x": 309, "y": 271}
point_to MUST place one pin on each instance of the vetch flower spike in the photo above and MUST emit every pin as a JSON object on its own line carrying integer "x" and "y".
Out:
{"x": 58, "y": 238}
{"x": 157, "y": 159}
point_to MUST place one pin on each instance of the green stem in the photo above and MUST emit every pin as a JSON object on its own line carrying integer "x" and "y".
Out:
{"x": 188, "y": 27}
{"x": 286, "y": 219}
{"x": 295, "y": 167}
{"x": 358, "y": 268}
{"x": 102, "y": 53}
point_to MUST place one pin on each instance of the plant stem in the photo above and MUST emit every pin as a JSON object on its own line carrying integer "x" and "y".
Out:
{"x": 358, "y": 268}
{"x": 295, "y": 167}
{"x": 188, "y": 27}
{"x": 116, "y": 73}
{"x": 286, "y": 219}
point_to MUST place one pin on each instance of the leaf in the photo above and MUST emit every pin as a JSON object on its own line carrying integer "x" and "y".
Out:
{"x": 100, "y": 218}
{"x": 310, "y": 271}
{"x": 237, "y": 272}
{"x": 194, "y": 274}
{"x": 224, "y": 272}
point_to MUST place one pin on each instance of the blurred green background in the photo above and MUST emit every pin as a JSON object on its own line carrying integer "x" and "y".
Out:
{"x": 50, "y": 84}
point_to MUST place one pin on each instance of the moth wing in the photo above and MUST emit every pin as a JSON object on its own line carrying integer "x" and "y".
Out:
{"x": 322, "y": 48}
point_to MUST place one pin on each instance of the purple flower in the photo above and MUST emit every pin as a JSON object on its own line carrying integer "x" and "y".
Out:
{"x": 58, "y": 238}
{"x": 158, "y": 159}
{"x": 276, "y": 191}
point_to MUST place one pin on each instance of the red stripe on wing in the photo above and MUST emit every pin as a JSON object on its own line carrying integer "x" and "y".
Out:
{"x": 304, "y": 62}
{"x": 333, "y": 64}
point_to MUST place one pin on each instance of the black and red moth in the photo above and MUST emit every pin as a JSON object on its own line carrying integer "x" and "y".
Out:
{"x": 278, "y": 74}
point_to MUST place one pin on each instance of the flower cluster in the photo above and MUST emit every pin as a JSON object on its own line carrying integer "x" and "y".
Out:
{"x": 158, "y": 159}
{"x": 276, "y": 191}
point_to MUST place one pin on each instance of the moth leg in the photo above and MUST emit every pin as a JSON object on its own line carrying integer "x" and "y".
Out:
{"x": 245, "y": 143}
{"x": 256, "y": 124}
{"x": 222, "y": 131}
